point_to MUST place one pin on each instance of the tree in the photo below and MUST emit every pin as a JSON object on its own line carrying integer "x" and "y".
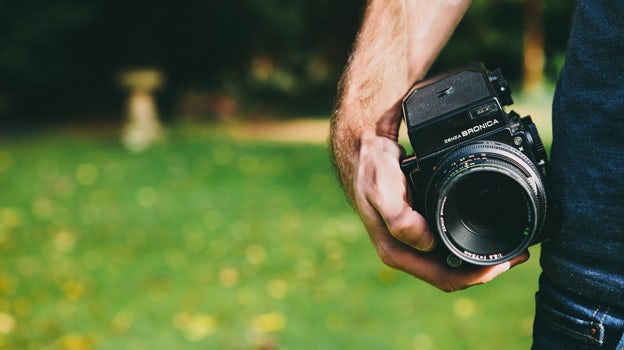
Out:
{"x": 533, "y": 52}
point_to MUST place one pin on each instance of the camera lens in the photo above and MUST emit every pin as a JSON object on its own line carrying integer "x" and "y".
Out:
{"x": 482, "y": 211}
{"x": 487, "y": 201}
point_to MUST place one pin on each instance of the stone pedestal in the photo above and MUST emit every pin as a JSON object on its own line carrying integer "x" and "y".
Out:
{"x": 142, "y": 128}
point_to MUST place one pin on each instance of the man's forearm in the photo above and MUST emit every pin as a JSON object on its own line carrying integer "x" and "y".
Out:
{"x": 396, "y": 45}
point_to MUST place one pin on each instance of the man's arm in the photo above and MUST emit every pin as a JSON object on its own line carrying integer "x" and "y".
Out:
{"x": 396, "y": 45}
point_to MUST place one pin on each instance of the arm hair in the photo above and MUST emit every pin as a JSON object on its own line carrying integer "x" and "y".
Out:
{"x": 395, "y": 46}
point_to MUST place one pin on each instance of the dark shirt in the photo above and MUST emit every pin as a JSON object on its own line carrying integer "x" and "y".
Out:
{"x": 586, "y": 255}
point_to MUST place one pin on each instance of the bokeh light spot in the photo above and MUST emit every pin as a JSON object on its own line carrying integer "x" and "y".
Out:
{"x": 277, "y": 289}
{"x": 75, "y": 341}
{"x": 86, "y": 174}
{"x": 7, "y": 323}
{"x": 269, "y": 322}
{"x": 64, "y": 241}
{"x": 423, "y": 341}
{"x": 73, "y": 289}
{"x": 464, "y": 308}
{"x": 123, "y": 320}
{"x": 335, "y": 323}
{"x": 10, "y": 218}
{"x": 228, "y": 277}
{"x": 43, "y": 208}
{"x": 147, "y": 196}
{"x": 255, "y": 254}
{"x": 195, "y": 326}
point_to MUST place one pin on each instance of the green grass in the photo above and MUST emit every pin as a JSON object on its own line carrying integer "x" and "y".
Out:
{"x": 208, "y": 243}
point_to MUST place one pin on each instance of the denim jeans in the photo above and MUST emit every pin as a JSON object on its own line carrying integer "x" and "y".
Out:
{"x": 565, "y": 321}
{"x": 587, "y": 157}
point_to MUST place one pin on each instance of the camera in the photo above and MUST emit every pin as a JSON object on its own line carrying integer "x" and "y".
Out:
{"x": 477, "y": 173}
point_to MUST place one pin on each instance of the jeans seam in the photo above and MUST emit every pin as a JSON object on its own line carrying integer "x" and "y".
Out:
{"x": 595, "y": 312}
{"x": 604, "y": 315}
{"x": 556, "y": 324}
{"x": 597, "y": 321}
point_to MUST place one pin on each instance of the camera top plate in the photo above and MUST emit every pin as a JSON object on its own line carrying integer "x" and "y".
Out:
{"x": 433, "y": 98}
{"x": 448, "y": 109}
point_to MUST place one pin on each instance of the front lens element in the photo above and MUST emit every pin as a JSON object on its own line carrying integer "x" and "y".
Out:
{"x": 489, "y": 202}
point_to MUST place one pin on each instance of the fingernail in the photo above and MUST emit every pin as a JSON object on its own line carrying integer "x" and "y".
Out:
{"x": 427, "y": 243}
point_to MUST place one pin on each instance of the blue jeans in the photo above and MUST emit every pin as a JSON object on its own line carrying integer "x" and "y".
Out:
{"x": 565, "y": 321}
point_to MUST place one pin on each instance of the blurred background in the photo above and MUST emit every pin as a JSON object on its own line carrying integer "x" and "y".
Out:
{"x": 59, "y": 60}
{"x": 165, "y": 183}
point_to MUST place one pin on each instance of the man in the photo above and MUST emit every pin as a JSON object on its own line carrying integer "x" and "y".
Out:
{"x": 582, "y": 287}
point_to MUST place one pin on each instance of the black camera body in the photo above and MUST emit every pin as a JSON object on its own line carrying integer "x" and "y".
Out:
{"x": 478, "y": 174}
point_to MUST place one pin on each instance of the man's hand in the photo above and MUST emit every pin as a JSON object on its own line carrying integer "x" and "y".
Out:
{"x": 396, "y": 45}
{"x": 400, "y": 234}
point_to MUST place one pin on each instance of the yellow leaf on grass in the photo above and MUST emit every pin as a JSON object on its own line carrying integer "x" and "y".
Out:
{"x": 195, "y": 326}
{"x": 269, "y": 322}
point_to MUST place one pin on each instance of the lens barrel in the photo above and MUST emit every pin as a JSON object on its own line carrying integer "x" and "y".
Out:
{"x": 487, "y": 201}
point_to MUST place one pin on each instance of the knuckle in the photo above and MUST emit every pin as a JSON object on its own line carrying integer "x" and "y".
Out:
{"x": 401, "y": 230}
{"x": 387, "y": 256}
{"x": 401, "y": 224}
{"x": 407, "y": 228}
{"x": 447, "y": 289}
{"x": 450, "y": 288}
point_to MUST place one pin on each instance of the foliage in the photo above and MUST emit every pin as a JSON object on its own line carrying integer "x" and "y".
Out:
{"x": 492, "y": 32}
{"x": 60, "y": 58}
{"x": 209, "y": 243}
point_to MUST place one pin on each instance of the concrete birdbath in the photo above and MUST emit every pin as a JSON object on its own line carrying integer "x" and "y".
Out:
{"x": 142, "y": 127}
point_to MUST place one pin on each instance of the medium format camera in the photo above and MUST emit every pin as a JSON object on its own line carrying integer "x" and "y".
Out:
{"x": 477, "y": 174}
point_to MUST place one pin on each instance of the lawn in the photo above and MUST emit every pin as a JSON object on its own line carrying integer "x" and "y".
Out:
{"x": 206, "y": 242}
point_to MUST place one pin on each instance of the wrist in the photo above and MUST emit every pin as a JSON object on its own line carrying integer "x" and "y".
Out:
{"x": 345, "y": 140}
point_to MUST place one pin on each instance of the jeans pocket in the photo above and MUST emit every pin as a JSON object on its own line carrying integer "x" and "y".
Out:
{"x": 565, "y": 329}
